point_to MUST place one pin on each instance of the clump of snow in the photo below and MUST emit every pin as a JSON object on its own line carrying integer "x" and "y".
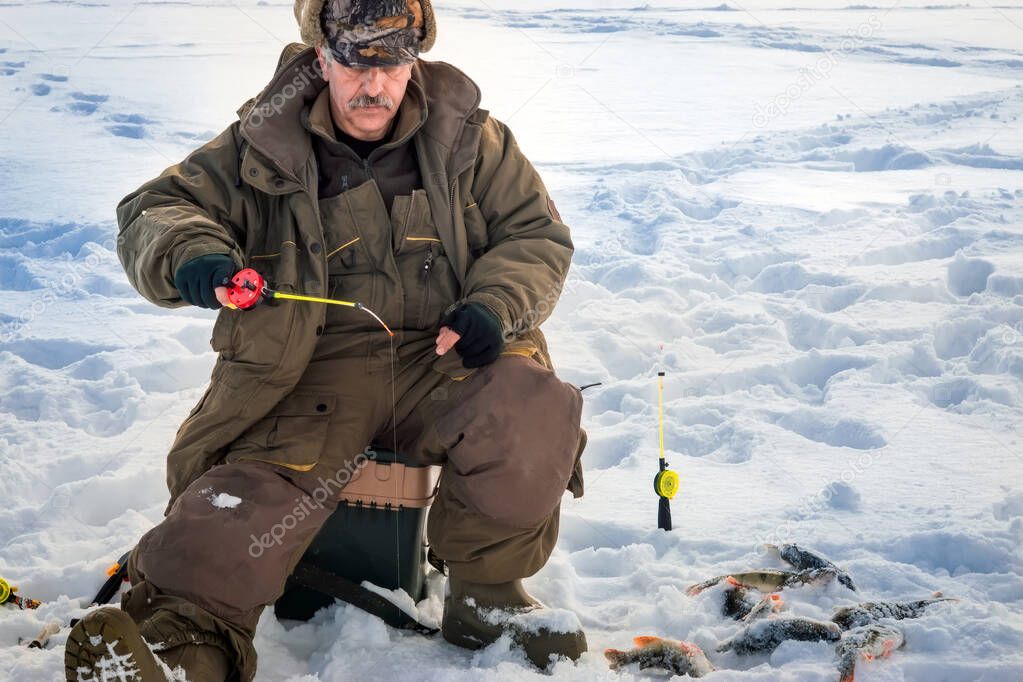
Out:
{"x": 530, "y": 620}
{"x": 176, "y": 674}
{"x": 842, "y": 496}
{"x": 1009, "y": 508}
{"x": 398, "y": 597}
{"x": 968, "y": 275}
{"x": 225, "y": 501}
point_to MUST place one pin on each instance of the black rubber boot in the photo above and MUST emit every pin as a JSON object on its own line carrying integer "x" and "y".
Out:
{"x": 477, "y": 614}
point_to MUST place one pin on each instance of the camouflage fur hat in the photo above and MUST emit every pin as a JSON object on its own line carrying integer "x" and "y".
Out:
{"x": 368, "y": 32}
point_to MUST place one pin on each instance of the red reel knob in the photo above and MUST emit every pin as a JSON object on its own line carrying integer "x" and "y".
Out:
{"x": 245, "y": 289}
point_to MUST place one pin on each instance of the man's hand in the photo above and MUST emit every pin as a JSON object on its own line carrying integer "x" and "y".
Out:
{"x": 199, "y": 280}
{"x": 221, "y": 293}
{"x": 474, "y": 332}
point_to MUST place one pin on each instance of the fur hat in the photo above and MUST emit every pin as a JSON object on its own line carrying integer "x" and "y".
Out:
{"x": 311, "y": 15}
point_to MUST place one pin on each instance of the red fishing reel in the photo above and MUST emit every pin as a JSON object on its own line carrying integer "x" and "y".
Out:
{"x": 246, "y": 289}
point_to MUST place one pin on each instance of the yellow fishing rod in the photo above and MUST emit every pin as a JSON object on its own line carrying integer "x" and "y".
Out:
{"x": 247, "y": 288}
{"x": 666, "y": 482}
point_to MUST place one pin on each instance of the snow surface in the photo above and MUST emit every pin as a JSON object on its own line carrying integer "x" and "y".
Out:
{"x": 809, "y": 214}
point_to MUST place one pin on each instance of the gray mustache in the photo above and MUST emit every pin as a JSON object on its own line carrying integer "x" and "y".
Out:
{"x": 363, "y": 101}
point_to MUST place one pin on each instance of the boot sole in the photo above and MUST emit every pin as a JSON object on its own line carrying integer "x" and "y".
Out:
{"x": 106, "y": 645}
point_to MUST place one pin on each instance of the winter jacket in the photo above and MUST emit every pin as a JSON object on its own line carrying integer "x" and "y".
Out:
{"x": 252, "y": 192}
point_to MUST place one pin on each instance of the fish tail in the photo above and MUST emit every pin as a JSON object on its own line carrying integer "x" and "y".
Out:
{"x": 847, "y": 669}
{"x": 615, "y": 657}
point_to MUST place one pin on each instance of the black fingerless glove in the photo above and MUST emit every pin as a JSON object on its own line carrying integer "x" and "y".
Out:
{"x": 482, "y": 338}
{"x": 197, "y": 279}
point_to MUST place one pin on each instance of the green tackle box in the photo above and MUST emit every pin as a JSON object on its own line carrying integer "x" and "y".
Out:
{"x": 376, "y": 534}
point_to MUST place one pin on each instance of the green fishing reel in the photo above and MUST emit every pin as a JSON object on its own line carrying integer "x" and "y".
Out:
{"x": 5, "y": 591}
{"x": 666, "y": 483}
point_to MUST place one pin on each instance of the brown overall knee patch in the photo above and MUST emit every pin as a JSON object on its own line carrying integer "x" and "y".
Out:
{"x": 231, "y": 557}
{"x": 515, "y": 436}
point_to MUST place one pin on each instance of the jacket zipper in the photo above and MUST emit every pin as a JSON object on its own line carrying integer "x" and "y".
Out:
{"x": 452, "y": 198}
{"x": 408, "y": 219}
{"x": 427, "y": 269}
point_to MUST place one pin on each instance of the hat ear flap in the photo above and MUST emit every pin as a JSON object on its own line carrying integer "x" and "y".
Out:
{"x": 307, "y": 14}
{"x": 429, "y": 26}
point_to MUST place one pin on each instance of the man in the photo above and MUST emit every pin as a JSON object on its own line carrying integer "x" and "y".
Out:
{"x": 364, "y": 173}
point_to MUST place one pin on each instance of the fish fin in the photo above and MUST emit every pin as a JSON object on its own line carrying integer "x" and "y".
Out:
{"x": 735, "y": 582}
{"x": 645, "y": 640}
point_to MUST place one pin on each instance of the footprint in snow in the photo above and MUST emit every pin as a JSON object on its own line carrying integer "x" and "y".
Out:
{"x": 85, "y": 104}
{"x": 11, "y": 68}
{"x": 129, "y": 125}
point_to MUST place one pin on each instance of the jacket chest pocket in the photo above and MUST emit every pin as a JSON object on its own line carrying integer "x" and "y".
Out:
{"x": 427, "y": 279}
{"x": 276, "y": 252}
{"x": 347, "y": 251}
{"x": 475, "y": 230}
{"x": 292, "y": 435}
{"x": 351, "y": 262}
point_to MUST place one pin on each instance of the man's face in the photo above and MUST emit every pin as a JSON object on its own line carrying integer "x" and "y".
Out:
{"x": 364, "y": 101}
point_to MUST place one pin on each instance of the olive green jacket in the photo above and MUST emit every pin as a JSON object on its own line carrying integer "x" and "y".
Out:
{"x": 252, "y": 191}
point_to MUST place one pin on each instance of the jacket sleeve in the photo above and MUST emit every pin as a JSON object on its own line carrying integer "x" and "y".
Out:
{"x": 521, "y": 274}
{"x": 194, "y": 208}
